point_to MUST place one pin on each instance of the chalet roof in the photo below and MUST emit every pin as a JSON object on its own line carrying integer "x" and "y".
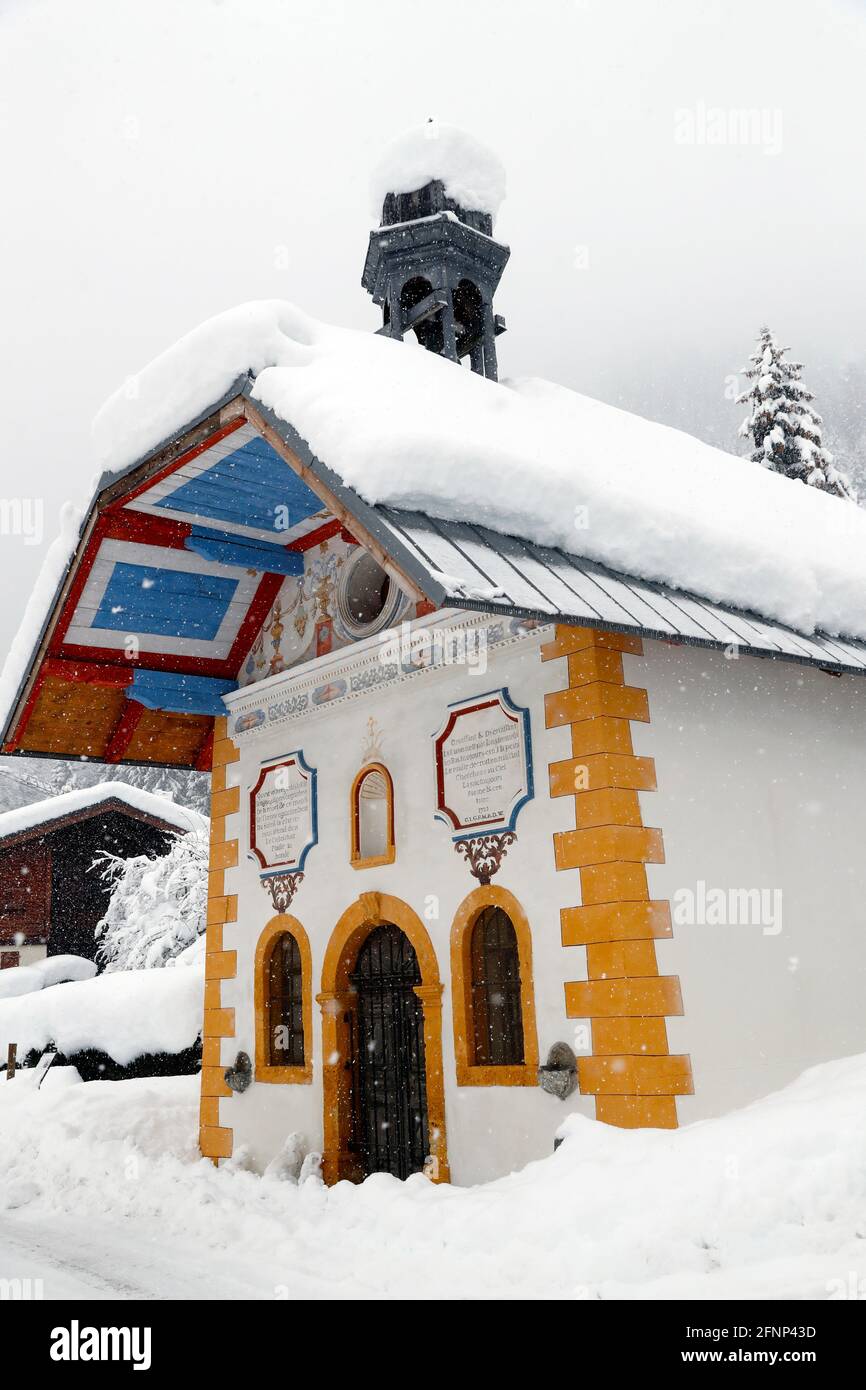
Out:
{"x": 46, "y": 815}
{"x": 263, "y": 432}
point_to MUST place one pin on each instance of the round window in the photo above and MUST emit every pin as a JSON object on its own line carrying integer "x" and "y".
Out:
{"x": 368, "y": 597}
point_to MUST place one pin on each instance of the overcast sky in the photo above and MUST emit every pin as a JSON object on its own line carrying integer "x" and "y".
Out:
{"x": 679, "y": 171}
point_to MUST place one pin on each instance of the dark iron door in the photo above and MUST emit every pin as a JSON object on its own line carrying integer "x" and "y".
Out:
{"x": 390, "y": 1092}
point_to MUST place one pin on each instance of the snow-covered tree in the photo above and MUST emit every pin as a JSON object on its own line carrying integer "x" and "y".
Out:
{"x": 784, "y": 428}
{"x": 157, "y": 906}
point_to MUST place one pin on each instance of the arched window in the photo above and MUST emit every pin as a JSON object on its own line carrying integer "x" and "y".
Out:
{"x": 496, "y": 1014}
{"x": 372, "y": 817}
{"x": 495, "y": 1038}
{"x": 283, "y": 1002}
{"x": 429, "y": 330}
{"x": 468, "y": 315}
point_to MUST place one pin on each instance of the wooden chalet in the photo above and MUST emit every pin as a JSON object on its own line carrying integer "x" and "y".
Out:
{"x": 51, "y": 898}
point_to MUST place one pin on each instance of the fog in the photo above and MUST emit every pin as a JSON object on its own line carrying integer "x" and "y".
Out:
{"x": 679, "y": 173}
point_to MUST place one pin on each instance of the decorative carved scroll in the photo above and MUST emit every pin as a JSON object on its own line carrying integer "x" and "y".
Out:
{"x": 484, "y": 854}
{"x": 282, "y": 889}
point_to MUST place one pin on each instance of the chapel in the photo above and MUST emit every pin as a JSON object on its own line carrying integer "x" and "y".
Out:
{"x": 537, "y": 783}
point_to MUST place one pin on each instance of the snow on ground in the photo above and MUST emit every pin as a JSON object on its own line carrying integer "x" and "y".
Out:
{"x": 102, "y": 1193}
{"x": 529, "y": 458}
{"x": 127, "y": 1013}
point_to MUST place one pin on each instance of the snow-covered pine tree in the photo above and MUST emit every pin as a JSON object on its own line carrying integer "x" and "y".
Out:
{"x": 157, "y": 907}
{"x": 785, "y": 430}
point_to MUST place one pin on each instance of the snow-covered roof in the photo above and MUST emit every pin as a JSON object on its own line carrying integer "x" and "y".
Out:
{"x": 403, "y": 427}
{"x": 520, "y": 498}
{"x": 471, "y": 173}
{"x": 55, "y": 808}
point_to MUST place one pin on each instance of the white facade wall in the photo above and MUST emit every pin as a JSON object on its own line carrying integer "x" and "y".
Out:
{"x": 761, "y": 770}
{"x": 490, "y": 1130}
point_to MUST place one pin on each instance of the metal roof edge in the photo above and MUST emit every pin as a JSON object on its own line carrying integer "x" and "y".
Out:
{"x": 364, "y": 512}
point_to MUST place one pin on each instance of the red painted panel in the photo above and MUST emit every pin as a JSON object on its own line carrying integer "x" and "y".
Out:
{"x": 146, "y": 530}
{"x": 25, "y": 894}
{"x": 269, "y": 587}
{"x": 123, "y": 731}
{"x": 322, "y": 533}
{"x": 90, "y": 672}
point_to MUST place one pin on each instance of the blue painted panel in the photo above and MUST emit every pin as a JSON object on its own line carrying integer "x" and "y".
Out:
{"x": 168, "y": 603}
{"x": 247, "y": 488}
{"x": 166, "y": 690}
{"x": 238, "y": 550}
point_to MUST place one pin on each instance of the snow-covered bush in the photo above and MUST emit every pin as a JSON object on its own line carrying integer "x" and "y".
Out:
{"x": 157, "y": 907}
{"x": 40, "y": 974}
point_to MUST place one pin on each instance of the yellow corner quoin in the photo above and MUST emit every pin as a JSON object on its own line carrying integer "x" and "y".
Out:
{"x": 631, "y": 1074}
{"x": 265, "y": 1070}
{"x": 215, "y": 1139}
{"x": 469, "y": 1074}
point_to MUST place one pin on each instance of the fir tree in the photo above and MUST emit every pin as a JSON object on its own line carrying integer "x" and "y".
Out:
{"x": 784, "y": 428}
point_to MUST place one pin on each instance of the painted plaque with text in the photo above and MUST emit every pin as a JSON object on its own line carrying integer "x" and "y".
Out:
{"x": 283, "y": 816}
{"x": 483, "y": 764}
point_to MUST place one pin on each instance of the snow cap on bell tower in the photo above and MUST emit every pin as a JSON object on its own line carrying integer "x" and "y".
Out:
{"x": 432, "y": 263}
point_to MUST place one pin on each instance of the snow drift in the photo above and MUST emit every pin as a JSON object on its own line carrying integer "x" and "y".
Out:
{"x": 768, "y": 1202}
{"x": 128, "y": 1014}
{"x": 528, "y": 458}
{"x": 40, "y": 974}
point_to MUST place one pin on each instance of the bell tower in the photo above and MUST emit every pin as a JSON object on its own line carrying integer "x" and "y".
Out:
{"x": 433, "y": 263}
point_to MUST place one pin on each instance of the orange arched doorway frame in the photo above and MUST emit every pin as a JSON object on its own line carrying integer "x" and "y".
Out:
{"x": 337, "y": 1001}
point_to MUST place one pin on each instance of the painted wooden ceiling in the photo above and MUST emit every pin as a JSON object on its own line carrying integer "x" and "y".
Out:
{"x": 166, "y": 595}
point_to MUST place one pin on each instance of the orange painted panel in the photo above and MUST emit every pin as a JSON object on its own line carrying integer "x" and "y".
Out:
{"x": 214, "y": 1142}
{"x": 612, "y": 806}
{"x": 594, "y": 701}
{"x": 635, "y": 1076}
{"x": 613, "y": 883}
{"x": 73, "y": 718}
{"x": 597, "y": 771}
{"x": 615, "y": 921}
{"x": 608, "y": 844}
{"x": 603, "y": 735}
{"x": 654, "y": 997}
{"x": 161, "y": 737}
{"x": 613, "y": 1037}
{"x": 612, "y": 960}
{"x": 637, "y": 1112}
{"x": 575, "y": 639}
